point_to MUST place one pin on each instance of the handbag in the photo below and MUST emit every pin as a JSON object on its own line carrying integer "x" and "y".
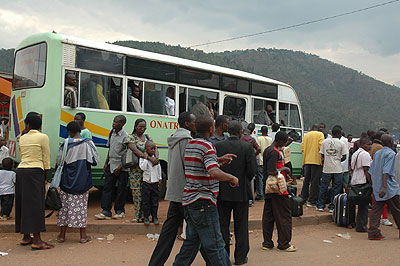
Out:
{"x": 129, "y": 158}
{"x": 360, "y": 193}
{"x": 53, "y": 200}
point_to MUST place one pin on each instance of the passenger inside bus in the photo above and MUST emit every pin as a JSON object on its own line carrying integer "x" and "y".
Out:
{"x": 265, "y": 117}
{"x": 70, "y": 90}
{"x": 134, "y": 96}
{"x": 200, "y": 108}
{"x": 170, "y": 101}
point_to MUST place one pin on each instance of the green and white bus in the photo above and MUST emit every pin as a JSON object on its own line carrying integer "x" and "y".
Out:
{"x": 105, "y": 76}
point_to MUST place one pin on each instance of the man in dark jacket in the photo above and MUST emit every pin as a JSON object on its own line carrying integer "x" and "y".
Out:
{"x": 236, "y": 198}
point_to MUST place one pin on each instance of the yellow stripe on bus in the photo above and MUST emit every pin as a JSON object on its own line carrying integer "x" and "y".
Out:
{"x": 19, "y": 111}
{"x": 95, "y": 129}
{"x": 21, "y": 125}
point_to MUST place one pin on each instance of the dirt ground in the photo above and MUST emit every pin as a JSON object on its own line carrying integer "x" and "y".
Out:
{"x": 127, "y": 249}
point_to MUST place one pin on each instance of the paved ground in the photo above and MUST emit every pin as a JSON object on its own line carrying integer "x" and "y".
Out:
{"x": 128, "y": 249}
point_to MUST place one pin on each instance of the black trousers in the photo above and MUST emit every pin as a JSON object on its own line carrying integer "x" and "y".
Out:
{"x": 277, "y": 210}
{"x": 7, "y": 202}
{"x": 361, "y": 222}
{"x": 312, "y": 179}
{"x": 241, "y": 226}
{"x": 150, "y": 197}
{"x": 168, "y": 235}
{"x": 109, "y": 184}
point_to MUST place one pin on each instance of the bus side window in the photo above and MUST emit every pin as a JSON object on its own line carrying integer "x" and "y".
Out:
{"x": 203, "y": 102}
{"x": 264, "y": 112}
{"x": 71, "y": 82}
{"x": 134, "y": 96}
{"x": 294, "y": 116}
{"x": 283, "y": 114}
{"x": 235, "y": 108}
{"x": 159, "y": 99}
{"x": 100, "y": 92}
{"x": 182, "y": 100}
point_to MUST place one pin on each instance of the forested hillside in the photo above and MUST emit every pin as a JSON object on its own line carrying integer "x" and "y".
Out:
{"x": 328, "y": 92}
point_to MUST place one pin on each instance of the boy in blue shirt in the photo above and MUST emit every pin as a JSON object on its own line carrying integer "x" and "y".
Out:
{"x": 385, "y": 187}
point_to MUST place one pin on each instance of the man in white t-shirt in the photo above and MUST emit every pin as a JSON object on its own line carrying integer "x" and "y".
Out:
{"x": 4, "y": 151}
{"x": 360, "y": 163}
{"x": 333, "y": 151}
{"x": 170, "y": 101}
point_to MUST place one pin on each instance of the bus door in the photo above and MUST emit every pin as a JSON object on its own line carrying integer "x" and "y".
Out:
{"x": 236, "y": 106}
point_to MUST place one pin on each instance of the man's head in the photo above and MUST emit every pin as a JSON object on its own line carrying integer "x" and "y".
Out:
{"x": 118, "y": 122}
{"x": 7, "y": 163}
{"x": 80, "y": 119}
{"x": 281, "y": 139}
{"x": 315, "y": 127}
{"x": 269, "y": 109}
{"x": 187, "y": 121}
{"x": 33, "y": 121}
{"x": 275, "y": 127}
{"x": 379, "y": 134}
{"x": 387, "y": 140}
{"x": 150, "y": 147}
{"x": 365, "y": 143}
{"x": 251, "y": 127}
{"x": 321, "y": 126}
{"x": 222, "y": 123}
{"x": 235, "y": 128}
{"x": 371, "y": 134}
{"x": 349, "y": 137}
{"x": 171, "y": 92}
{"x": 73, "y": 128}
{"x": 337, "y": 132}
{"x": 264, "y": 130}
{"x": 205, "y": 126}
{"x": 70, "y": 79}
{"x": 385, "y": 130}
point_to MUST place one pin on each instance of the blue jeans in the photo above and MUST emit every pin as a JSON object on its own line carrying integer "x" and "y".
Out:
{"x": 259, "y": 183}
{"x": 337, "y": 188}
{"x": 202, "y": 228}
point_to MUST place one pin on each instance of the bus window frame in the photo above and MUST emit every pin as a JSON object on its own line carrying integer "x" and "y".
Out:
{"x": 79, "y": 87}
{"x": 176, "y": 85}
{"x": 246, "y": 97}
{"x": 200, "y": 88}
{"x": 264, "y": 99}
{"x": 45, "y": 68}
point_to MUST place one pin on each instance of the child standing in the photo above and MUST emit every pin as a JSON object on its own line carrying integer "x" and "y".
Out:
{"x": 7, "y": 181}
{"x": 150, "y": 185}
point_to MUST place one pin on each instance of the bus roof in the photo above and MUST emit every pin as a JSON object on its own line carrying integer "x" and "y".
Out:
{"x": 166, "y": 59}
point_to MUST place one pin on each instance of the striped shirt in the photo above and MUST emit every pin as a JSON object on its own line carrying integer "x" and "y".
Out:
{"x": 200, "y": 160}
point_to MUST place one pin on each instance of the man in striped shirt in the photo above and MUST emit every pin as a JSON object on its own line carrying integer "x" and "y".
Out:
{"x": 200, "y": 197}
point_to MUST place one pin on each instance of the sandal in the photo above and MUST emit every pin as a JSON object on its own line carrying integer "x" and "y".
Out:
{"x": 88, "y": 239}
{"x": 42, "y": 246}
{"x": 26, "y": 243}
{"x": 60, "y": 240}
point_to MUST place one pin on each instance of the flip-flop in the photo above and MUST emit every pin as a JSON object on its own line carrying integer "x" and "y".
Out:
{"x": 26, "y": 243}
{"x": 60, "y": 240}
{"x": 43, "y": 246}
{"x": 88, "y": 239}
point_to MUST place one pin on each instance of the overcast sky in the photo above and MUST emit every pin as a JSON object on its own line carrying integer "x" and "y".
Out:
{"x": 368, "y": 41}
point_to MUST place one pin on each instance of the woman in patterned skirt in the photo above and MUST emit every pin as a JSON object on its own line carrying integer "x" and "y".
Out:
{"x": 136, "y": 142}
{"x": 75, "y": 182}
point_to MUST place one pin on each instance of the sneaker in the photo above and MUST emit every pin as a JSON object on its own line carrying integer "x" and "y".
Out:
{"x": 377, "y": 238}
{"x": 146, "y": 221}
{"x": 101, "y": 216}
{"x": 4, "y": 218}
{"x": 156, "y": 221}
{"x": 319, "y": 209}
{"x": 290, "y": 249}
{"x": 267, "y": 248}
{"x": 386, "y": 222}
{"x": 330, "y": 211}
{"x": 309, "y": 204}
{"x": 119, "y": 216}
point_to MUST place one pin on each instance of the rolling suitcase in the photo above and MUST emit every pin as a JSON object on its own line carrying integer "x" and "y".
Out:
{"x": 297, "y": 205}
{"x": 341, "y": 212}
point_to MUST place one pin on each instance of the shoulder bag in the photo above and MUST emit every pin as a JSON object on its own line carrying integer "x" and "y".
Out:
{"x": 129, "y": 158}
{"x": 361, "y": 193}
{"x": 53, "y": 200}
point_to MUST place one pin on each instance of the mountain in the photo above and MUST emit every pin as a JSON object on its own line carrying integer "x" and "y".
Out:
{"x": 328, "y": 92}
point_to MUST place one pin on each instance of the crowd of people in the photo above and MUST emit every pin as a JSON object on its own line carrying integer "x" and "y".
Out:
{"x": 211, "y": 175}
